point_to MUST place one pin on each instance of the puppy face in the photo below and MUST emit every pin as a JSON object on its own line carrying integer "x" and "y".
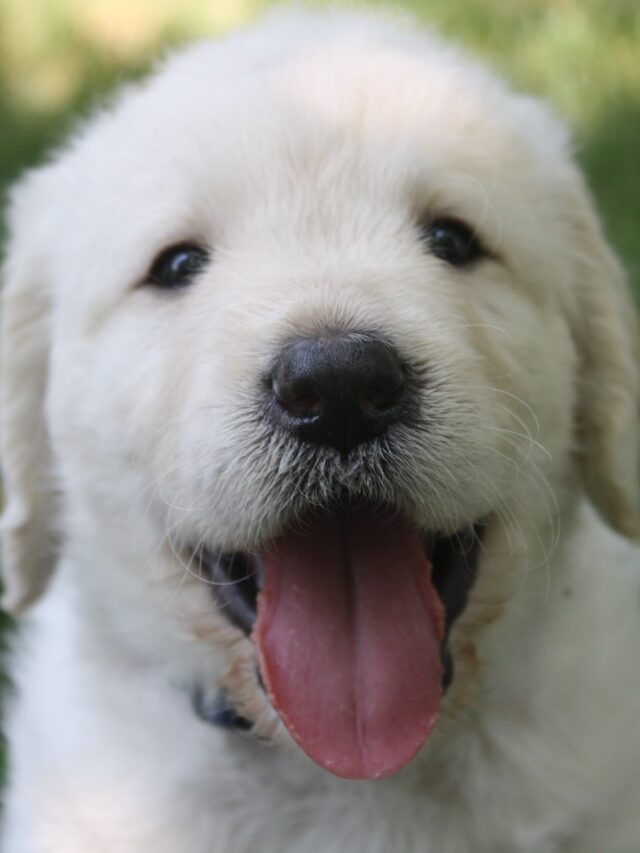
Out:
{"x": 288, "y": 302}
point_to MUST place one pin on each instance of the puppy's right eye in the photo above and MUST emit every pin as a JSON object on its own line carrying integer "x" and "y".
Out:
{"x": 177, "y": 266}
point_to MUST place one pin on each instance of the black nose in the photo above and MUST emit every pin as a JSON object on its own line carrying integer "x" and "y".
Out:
{"x": 338, "y": 391}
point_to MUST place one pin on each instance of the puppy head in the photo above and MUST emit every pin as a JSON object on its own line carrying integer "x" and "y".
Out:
{"x": 292, "y": 294}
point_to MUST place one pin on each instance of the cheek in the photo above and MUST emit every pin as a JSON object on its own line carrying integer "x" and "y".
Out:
{"x": 530, "y": 362}
{"x": 550, "y": 382}
{"x": 113, "y": 393}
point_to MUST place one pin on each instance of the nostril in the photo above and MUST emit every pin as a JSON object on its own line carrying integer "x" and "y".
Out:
{"x": 303, "y": 407}
{"x": 300, "y": 399}
{"x": 383, "y": 395}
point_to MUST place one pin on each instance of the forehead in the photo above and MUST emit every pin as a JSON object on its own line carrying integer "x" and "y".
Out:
{"x": 373, "y": 114}
{"x": 337, "y": 129}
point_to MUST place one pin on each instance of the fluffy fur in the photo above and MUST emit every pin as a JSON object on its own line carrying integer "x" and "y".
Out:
{"x": 305, "y": 152}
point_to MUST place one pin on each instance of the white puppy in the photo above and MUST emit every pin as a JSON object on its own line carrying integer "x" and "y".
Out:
{"x": 319, "y": 432}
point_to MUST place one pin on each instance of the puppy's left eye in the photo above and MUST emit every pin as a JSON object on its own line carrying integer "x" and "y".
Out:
{"x": 177, "y": 266}
{"x": 452, "y": 241}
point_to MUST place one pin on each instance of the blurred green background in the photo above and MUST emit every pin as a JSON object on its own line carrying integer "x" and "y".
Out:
{"x": 60, "y": 57}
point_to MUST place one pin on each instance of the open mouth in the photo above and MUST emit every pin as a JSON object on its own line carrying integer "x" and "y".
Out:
{"x": 350, "y": 615}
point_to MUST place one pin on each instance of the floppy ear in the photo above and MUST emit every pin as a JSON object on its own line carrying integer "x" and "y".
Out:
{"x": 26, "y": 524}
{"x": 605, "y": 327}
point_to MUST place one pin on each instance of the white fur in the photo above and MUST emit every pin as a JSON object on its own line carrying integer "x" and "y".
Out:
{"x": 304, "y": 152}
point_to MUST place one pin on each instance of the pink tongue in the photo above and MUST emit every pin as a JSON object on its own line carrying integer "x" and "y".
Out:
{"x": 348, "y": 635}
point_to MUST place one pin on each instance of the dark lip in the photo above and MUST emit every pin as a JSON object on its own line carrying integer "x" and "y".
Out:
{"x": 237, "y": 578}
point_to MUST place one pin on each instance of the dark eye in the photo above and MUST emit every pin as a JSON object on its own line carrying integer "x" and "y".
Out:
{"x": 177, "y": 266}
{"x": 452, "y": 241}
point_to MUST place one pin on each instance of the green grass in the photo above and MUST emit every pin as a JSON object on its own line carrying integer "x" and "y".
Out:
{"x": 57, "y": 57}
